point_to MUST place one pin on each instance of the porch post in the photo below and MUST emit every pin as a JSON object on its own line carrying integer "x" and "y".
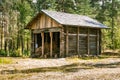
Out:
{"x": 78, "y": 41}
{"x": 51, "y": 38}
{"x": 98, "y": 40}
{"x": 35, "y": 42}
{"x": 88, "y": 42}
{"x": 42, "y": 35}
{"x": 66, "y": 41}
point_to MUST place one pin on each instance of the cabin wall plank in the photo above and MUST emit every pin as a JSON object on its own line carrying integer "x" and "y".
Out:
{"x": 88, "y": 42}
{"x": 78, "y": 41}
{"x": 67, "y": 41}
{"x": 62, "y": 43}
{"x": 45, "y": 22}
{"x": 72, "y": 43}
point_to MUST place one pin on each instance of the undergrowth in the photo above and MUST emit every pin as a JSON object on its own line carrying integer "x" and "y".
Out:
{"x": 5, "y": 60}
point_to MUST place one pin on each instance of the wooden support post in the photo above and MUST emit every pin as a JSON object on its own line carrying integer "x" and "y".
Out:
{"x": 88, "y": 42}
{"x": 51, "y": 42}
{"x": 62, "y": 43}
{"x": 34, "y": 43}
{"x": 98, "y": 42}
{"x": 66, "y": 41}
{"x": 78, "y": 42}
{"x": 42, "y": 35}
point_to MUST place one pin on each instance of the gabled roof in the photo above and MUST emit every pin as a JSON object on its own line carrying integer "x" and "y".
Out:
{"x": 73, "y": 19}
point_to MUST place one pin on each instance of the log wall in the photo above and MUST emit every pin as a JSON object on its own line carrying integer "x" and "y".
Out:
{"x": 81, "y": 41}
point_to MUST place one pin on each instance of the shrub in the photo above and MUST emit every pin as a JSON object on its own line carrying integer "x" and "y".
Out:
{"x": 14, "y": 54}
{"x": 26, "y": 53}
{"x": 3, "y": 53}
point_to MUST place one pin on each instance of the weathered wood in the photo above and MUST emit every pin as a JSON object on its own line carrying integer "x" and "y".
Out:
{"x": 44, "y": 21}
{"x": 47, "y": 30}
{"x": 93, "y": 31}
{"x": 72, "y": 30}
{"x": 32, "y": 42}
{"x": 100, "y": 41}
{"x": 42, "y": 35}
{"x": 72, "y": 34}
{"x": 83, "y": 31}
{"x": 83, "y": 45}
{"x": 93, "y": 45}
{"x": 72, "y": 45}
{"x": 35, "y": 42}
{"x": 97, "y": 42}
{"x": 51, "y": 42}
{"x": 78, "y": 41}
{"x": 66, "y": 41}
{"x": 88, "y": 48}
{"x": 62, "y": 43}
{"x": 71, "y": 42}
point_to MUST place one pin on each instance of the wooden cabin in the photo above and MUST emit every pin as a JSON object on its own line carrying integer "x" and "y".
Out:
{"x": 58, "y": 34}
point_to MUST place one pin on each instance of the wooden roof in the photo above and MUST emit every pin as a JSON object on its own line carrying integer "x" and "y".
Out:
{"x": 70, "y": 19}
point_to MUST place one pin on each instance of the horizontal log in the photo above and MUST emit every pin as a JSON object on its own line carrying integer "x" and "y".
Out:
{"x": 47, "y": 30}
{"x": 81, "y": 35}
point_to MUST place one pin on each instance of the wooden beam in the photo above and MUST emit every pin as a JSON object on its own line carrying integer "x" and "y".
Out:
{"x": 42, "y": 35}
{"x": 97, "y": 42}
{"x": 51, "y": 42}
{"x": 66, "y": 41}
{"x": 100, "y": 41}
{"x": 47, "y": 30}
{"x": 78, "y": 42}
{"x": 88, "y": 42}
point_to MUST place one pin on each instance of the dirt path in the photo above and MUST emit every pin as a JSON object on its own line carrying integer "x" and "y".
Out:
{"x": 61, "y": 69}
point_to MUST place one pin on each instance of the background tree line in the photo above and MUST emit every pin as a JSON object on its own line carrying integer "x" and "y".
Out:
{"x": 15, "y": 14}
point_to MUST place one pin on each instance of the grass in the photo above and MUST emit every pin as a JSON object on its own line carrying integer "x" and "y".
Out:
{"x": 5, "y": 60}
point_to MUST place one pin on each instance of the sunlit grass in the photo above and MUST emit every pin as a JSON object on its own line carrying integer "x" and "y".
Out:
{"x": 5, "y": 60}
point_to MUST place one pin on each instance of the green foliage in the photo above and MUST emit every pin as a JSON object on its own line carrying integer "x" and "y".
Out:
{"x": 26, "y": 53}
{"x": 14, "y": 54}
{"x": 3, "y": 53}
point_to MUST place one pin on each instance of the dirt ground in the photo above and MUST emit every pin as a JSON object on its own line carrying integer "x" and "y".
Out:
{"x": 61, "y": 69}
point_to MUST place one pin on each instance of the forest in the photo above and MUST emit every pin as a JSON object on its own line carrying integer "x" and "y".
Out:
{"x": 15, "y": 40}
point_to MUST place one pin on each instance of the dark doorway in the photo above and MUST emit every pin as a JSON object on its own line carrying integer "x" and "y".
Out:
{"x": 56, "y": 43}
{"x": 47, "y": 44}
{"x": 39, "y": 40}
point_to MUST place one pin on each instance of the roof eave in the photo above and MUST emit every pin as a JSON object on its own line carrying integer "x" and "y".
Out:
{"x": 86, "y": 26}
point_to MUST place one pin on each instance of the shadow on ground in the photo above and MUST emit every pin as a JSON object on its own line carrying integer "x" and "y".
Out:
{"x": 66, "y": 68}
{"x": 101, "y": 65}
